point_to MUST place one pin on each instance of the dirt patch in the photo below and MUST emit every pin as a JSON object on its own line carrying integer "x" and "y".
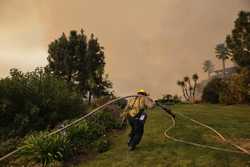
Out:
{"x": 81, "y": 158}
{"x": 244, "y": 143}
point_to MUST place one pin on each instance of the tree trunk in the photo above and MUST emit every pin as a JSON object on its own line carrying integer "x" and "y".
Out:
{"x": 195, "y": 84}
{"x": 90, "y": 97}
{"x": 183, "y": 91}
{"x": 190, "y": 90}
{"x": 224, "y": 67}
{"x": 186, "y": 91}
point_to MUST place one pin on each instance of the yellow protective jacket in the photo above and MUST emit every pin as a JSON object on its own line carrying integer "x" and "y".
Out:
{"x": 137, "y": 104}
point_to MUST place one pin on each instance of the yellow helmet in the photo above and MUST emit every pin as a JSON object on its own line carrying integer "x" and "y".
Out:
{"x": 142, "y": 91}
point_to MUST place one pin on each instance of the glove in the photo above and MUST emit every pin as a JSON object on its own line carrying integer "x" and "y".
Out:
{"x": 173, "y": 116}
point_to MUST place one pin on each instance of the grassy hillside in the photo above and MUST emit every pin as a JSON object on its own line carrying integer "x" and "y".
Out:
{"x": 155, "y": 150}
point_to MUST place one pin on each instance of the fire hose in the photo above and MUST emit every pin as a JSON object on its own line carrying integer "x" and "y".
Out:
{"x": 241, "y": 150}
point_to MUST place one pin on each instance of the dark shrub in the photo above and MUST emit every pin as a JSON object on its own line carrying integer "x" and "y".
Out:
{"x": 35, "y": 101}
{"x": 107, "y": 120}
{"x": 83, "y": 134}
{"x": 236, "y": 91}
{"x": 211, "y": 92}
{"x": 77, "y": 135}
{"x": 102, "y": 145}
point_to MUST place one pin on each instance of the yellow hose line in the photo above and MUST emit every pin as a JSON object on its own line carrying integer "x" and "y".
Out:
{"x": 242, "y": 150}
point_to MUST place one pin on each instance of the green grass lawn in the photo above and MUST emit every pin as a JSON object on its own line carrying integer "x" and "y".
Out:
{"x": 157, "y": 151}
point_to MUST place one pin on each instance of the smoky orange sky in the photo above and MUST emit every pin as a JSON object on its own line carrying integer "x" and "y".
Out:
{"x": 148, "y": 44}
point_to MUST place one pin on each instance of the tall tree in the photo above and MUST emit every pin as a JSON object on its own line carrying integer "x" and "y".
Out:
{"x": 184, "y": 91}
{"x": 81, "y": 62}
{"x": 60, "y": 61}
{"x": 208, "y": 67}
{"x": 188, "y": 89}
{"x": 238, "y": 42}
{"x": 188, "y": 85}
{"x": 195, "y": 78}
{"x": 97, "y": 83}
{"x": 222, "y": 53}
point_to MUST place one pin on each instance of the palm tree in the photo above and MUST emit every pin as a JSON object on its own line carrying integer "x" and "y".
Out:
{"x": 187, "y": 80}
{"x": 222, "y": 53}
{"x": 195, "y": 78}
{"x": 182, "y": 85}
{"x": 208, "y": 67}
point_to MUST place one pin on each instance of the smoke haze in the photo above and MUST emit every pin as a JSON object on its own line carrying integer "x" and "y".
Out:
{"x": 148, "y": 44}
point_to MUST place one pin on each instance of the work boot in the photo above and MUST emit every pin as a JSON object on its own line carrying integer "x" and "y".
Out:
{"x": 129, "y": 140}
{"x": 131, "y": 148}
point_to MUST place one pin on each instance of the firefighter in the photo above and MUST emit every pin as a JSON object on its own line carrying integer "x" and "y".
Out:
{"x": 136, "y": 116}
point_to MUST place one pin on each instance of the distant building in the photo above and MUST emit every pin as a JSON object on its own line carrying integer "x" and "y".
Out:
{"x": 228, "y": 72}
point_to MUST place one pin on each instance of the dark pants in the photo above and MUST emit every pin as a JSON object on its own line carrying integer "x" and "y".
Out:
{"x": 137, "y": 128}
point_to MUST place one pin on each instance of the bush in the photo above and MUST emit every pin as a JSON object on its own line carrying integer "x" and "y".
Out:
{"x": 83, "y": 134}
{"x": 77, "y": 135}
{"x": 45, "y": 150}
{"x": 236, "y": 89}
{"x": 232, "y": 90}
{"x": 107, "y": 120}
{"x": 81, "y": 137}
{"x": 102, "y": 145}
{"x": 35, "y": 101}
{"x": 211, "y": 92}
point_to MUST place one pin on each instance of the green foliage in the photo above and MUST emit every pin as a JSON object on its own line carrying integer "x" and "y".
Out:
{"x": 35, "y": 101}
{"x": 236, "y": 91}
{"x": 89, "y": 134}
{"x": 77, "y": 136}
{"x": 97, "y": 83}
{"x": 208, "y": 67}
{"x": 107, "y": 119}
{"x": 222, "y": 53}
{"x": 44, "y": 150}
{"x": 102, "y": 145}
{"x": 81, "y": 62}
{"x": 238, "y": 42}
{"x": 211, "y": 92}
{"x": 82, "y": 135}
{"x": 232, "y": 90}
